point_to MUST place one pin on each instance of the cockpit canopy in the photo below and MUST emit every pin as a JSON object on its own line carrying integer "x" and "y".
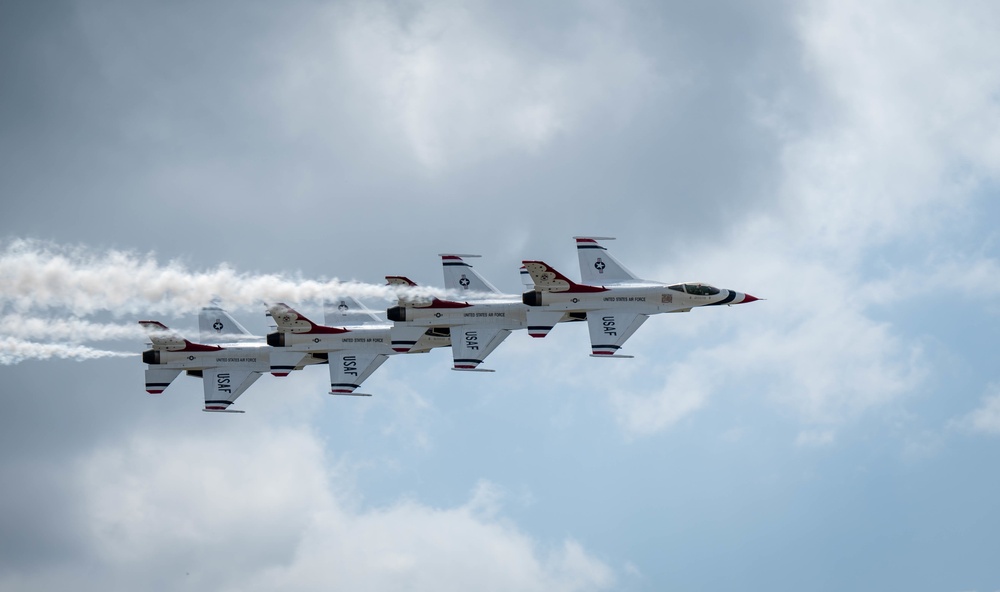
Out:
{"x": 697, "y": 289}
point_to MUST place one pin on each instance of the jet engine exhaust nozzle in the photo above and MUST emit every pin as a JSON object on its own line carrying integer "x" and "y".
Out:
{"x": 396, "y": 313}
{"x": 532, "y": 298}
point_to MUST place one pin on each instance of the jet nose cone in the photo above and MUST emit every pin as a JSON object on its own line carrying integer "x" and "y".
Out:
{"x": 749, "y": 298}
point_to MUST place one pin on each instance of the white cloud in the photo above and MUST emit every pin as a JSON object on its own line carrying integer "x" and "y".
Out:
{"x": 257, "y": 508}
{"x": 908, "y": 125}
{"x": 985, "y": 419}
{"x": 815, "y": 438}
{"x": 687, "y": 388}
{"x": 810, "y": 347}
{"x": 884, "y": 157}
{"x": 446, "y": 81}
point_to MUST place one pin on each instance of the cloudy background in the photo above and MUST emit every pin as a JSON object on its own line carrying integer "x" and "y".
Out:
{"x": 840, "y": 159}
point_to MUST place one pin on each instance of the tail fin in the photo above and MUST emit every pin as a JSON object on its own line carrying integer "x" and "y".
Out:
{"x": 526, "y": 281}
{"x": 163, "y": 338}
{"x": 290, "y": 320}
{"x": 597, "y": 266}
{"x": 404, "y": 299}
{"x": 461, "y": 277}
{"x": 548, "y": 279}
{"x": 215, "y": 324}
{"x": 348, "y": 312}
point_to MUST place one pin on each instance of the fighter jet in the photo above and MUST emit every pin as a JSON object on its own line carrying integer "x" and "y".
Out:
{"x": 226, "y": 370}
{"x": 355, "y": 348}
{"x": 615, "y": 300}
{"x": 477, "y": 325}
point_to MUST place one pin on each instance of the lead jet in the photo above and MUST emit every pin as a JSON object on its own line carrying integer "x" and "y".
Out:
{"x": 617, "y": 302}
{"x": 477, "y": 325}
{"x": 227, "y": 370}
{"x": 354, "y": 349}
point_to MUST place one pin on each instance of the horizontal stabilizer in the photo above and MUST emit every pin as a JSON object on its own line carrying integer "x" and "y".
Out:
{"x": 158, "y": 379}
{"x": 541, "y": 321}
{"x": 284, "y": 361}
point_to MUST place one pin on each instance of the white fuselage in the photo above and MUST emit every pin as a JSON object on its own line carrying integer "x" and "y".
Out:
{"x": 502, "y": 313}
{"x": 640, "y": 298}
{"x": 375, "y": 339}
{"x": 253, "y": 357}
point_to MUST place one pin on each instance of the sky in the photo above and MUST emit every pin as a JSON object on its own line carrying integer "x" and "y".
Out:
{"x": 839, "y": 159}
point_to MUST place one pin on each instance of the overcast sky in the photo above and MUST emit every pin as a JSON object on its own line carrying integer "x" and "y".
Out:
{"x": 840, "y": 159}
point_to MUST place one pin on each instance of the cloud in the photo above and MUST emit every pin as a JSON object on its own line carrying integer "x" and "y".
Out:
{"x": 985, "y": 419}
{"x": 908, "y": 124}
{"x": 457, "y": 82}
{"x": 884, "y": 158}
{"x": 260, "y": 508}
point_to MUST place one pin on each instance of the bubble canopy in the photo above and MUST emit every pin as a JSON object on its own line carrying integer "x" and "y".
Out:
{"x": 697, "y": 289}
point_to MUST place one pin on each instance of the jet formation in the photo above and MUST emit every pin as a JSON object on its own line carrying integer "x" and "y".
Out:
{"x": 354, "y": 341}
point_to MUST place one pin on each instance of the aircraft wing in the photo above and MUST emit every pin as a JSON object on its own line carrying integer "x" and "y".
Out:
{"x": 470, "y": 344}
{"x": 609, "y": 330}
{"x": 224, "y": 385}
{"x": 349, "y": 368}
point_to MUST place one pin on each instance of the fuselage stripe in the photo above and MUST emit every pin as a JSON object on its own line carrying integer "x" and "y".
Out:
{"x": 726, "y": 300}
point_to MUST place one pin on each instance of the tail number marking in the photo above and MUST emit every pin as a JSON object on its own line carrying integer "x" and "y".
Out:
{"x": 472, "y": 340}
{"x": 351, "y": 365}
{"x": 609, "y": 326}
{"x": 224, "y": 384}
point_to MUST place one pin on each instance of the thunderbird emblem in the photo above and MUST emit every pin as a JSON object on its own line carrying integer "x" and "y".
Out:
{"x": 217, "y": 325}
{"x": 343, "y": 306}
{"x": 599, "y": 266}
{"x": 464, "y": 281}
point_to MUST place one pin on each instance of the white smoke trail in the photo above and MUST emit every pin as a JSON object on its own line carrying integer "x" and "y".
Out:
{"x": 71, "y": 329}
{"x": 34, "y": 275}
{"x": 13, "y": 351}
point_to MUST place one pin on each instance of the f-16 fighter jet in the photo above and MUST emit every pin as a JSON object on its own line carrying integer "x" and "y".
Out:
{"x": 477, "y": 325}
{"x": 227, "y": 370}
{"x": 615, "y": 300}
{"x": 354, "y": 350}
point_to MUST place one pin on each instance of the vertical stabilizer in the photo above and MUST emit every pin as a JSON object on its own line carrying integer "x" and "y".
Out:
{"x": 217, "y": 325}
{"x": 459, "y": 275}
{"x": 597, "y": 266}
